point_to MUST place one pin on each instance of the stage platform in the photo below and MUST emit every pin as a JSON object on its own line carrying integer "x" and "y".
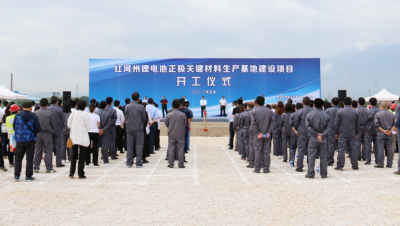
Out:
{"x": 217, "y": 127}
{"x": 210, "y": 119}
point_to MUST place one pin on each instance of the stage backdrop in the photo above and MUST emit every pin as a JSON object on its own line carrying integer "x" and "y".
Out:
{"x": 275, "y": 79}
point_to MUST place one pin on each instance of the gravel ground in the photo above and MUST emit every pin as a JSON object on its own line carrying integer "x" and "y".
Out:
{"x": 216, "y": 188}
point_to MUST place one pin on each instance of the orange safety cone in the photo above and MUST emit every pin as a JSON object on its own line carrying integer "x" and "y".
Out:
{"x": 205, "y": 121}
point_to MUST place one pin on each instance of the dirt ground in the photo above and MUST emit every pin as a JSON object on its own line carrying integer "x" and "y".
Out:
{"x": 216, "y": 188}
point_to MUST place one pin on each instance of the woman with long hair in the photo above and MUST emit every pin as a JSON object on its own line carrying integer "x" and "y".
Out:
{"x": 286, "y": 131}
{"x": 93, "y": 136}
{"x": 66, "y": 132}
{"x": 277, "y": 130}
{"x": 79, "y": 123}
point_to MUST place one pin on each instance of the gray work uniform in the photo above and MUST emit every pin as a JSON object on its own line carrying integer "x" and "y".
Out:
{"x": 105, "y": 124}
{"x": 263, "y": 123}
{"x": 251, "y": 156}
{"x": 57, "y": 131}
{"x": 176, "y": 122}
{"x": 276, "y": 135}
{"x": 44, "y": 139}
{"x": 112, "y": 133}
{"x": 245, "y": 123}
{"x": 286, "y": 134}
{"x": 135, "y": 118}
{"x": 318, "y": 123}
{"x": 396, "y": 116}
{"x": 302, "y": 139}
{"x": 363, "y": 120}
{"x": 347, "y": 127}
{"x": 332, "y": 141}
{"x": 384, "y": 119}
{"x": 371, "y": 135}
{"x": 65, "y": 137}
{"x": 293, "y": 139}
{"x": 237, "y": 128}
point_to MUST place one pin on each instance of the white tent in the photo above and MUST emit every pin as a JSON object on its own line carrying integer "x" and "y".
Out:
{"x": 7, "y": 94}
{"x": 384, "y": 95}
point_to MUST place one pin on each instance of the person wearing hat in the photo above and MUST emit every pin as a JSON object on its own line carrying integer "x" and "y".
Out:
{"x": 26, "y": 126}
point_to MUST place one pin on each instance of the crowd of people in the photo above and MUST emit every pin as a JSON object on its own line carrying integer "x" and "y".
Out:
{"x": 315, "y": 129}
{"x": 75, "y": 131}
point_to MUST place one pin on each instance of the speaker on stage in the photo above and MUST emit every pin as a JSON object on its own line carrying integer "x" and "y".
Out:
{"x": 342, "y": 94}
{"x": 66, "y": 95}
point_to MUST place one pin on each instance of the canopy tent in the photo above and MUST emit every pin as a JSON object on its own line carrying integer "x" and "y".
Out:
{"x": 7, "y": 94}
{"x": 384, "y": 95}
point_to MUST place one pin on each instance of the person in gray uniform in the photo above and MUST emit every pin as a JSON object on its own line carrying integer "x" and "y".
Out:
{"x": 301, "y": 129}
{"x": 246, "y": 122}
{"x": 237, "y": 128}
{"x": 318, "y": 125}
{"x": 263, "y": 124}
{"x": 295, "y": 134}
{"x": 370, "y": 132}
{"x": 57, "y": 128}
{"x": 134, "y": 123}
{"x": 277, "y": 130}
{"x": 347, "y": 128}
{"x": 363, "y": 120}
{"x": 241, "y": 141}
{"x": 397, "y": 125}
{"x": 112, "y": 134}
{"x": 332, "y": 141}
{"x": 252, "y": 137}
{"x": 286, "y": 131}
{"x": 105, "y": 125}
{"x": 44, "y": 138}
{"x": 385, "y": 124}
{"x": 176, "y": 123}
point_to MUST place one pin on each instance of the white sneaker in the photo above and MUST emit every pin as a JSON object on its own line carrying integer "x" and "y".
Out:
{"x": 64, "y": 161}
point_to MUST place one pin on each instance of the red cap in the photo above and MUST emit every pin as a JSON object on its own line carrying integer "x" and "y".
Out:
{"x": 14, "y": 108}
{"x": 393, "y": 107}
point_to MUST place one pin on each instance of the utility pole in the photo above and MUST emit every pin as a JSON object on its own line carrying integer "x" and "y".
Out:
{"x": 351, "y": 82}
{"x": 369, "y": 92}
{"x": 11, "y": 88}
{"x": 77, "y": 90}
{"x": 375, "y": 85}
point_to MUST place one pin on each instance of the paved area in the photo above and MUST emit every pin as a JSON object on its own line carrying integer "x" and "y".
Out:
{"x": 216, "y": 188}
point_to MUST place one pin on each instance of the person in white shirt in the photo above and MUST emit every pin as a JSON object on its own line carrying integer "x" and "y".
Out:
{"x": 184, "y": 97}
{"x": 119, "y": 125}
{"x": 222, "y": 105}
{"x": 93, "y": 136}
{"x": 230, "y": 118}
{"x": 73, "y": 105}
{"x": 79, "y": 123}
{"x": 158, "y": 127}
{"x": 203, "y": 104}
{"x": 144, "y": 100}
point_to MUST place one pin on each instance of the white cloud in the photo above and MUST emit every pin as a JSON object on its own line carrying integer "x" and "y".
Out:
{"x": 51, "y": 41}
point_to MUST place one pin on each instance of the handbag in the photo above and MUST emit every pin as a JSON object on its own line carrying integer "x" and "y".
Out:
{"x": 69, "y": 143}
{"x": 3, "y": 128}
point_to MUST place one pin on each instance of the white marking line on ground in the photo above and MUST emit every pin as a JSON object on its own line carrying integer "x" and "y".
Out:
{"x": 337, "y": 175}
{"x": 7, "y": 176}
{"x": 196, "y": 176}
{"x": 59, "y": 174}
{"x": 285, "y": 172}
{"x": 155, "y": 166}
{"x": 101, "y": 178}
{"x": 236, "y": 166}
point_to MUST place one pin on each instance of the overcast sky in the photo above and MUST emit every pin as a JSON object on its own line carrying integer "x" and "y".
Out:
{"x": 47, "y": 44}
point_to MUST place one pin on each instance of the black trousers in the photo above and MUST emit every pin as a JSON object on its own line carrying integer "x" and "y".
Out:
{"x": 23, "y": 148}
{"x": 222, "y": 109}
{"x": 164, "y": 108}
{"x": 202, "y": 110}
{"x": 93, "y": 148}
{"x": 157, "y": 137}
{"x": 231, "y": 135}
{"x": 121, "y": 143}
{"x": 118, "y": 133}
{"x": 81, "y": 150}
